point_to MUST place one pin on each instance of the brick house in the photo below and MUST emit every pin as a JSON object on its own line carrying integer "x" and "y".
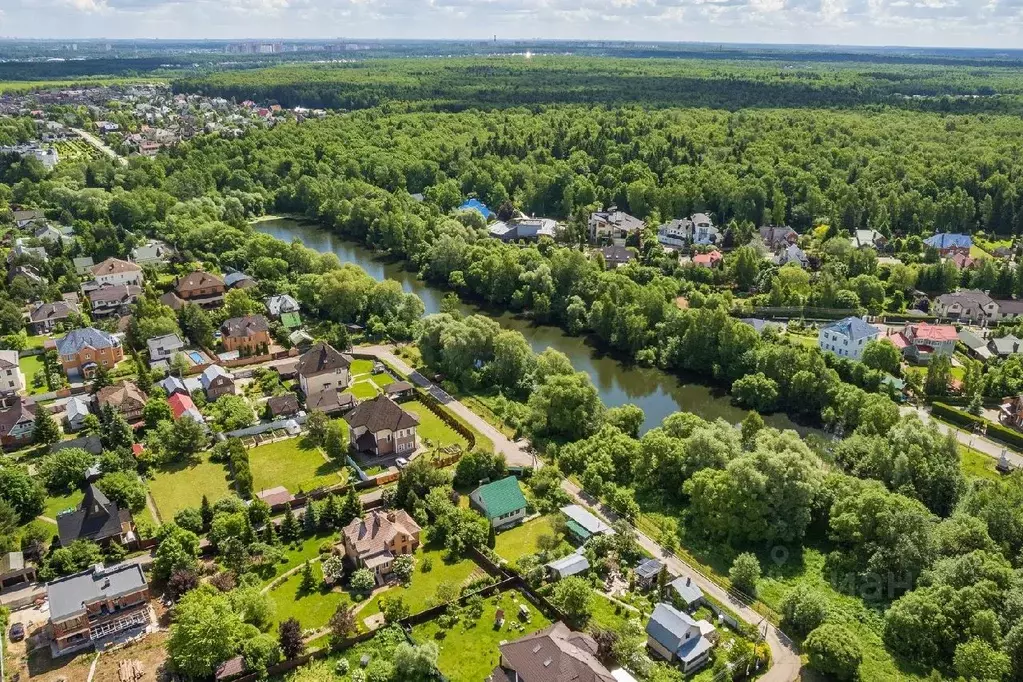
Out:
{"x": 125, "y": 397}
{"x": 94, "y": 604}
{"x": 217, "y": 382}
{"x": 381, "y": 427}
{"x": 83, "y": 350}
{"x": 197, "y": 287}
{"x": 249, "y": 335}
{"x": 375, "y": 540}
{"x": 17, "y": 420}
{"x": 115, "y": 271}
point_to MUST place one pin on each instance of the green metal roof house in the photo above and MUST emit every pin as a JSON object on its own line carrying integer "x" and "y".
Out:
{"x": 501, "y": 502}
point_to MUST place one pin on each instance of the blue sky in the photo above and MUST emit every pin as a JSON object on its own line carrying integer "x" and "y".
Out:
{"x": 973, "y": 23}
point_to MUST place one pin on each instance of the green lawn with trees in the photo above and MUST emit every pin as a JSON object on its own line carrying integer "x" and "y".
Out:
{"x": 433, "y": 428}
{"x": 184, "y": 485}
{"x": 295, "y": 464}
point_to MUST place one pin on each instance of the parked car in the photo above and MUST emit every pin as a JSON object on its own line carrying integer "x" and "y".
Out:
{"x": 401, "y": 462}
{"x": 17, "y": 632}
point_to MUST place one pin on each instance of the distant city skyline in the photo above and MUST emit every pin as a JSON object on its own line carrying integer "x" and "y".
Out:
{"x": 910, "y": 23}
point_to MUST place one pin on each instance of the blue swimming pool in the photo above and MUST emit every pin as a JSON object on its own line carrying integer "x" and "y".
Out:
{"x": 195, "y": 356}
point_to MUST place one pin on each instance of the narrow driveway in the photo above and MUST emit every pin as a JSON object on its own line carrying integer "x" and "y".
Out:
{"x": 514, "y": 453}
{"x": 786, "y": 664}
{"x": 977, "y": 442}
{"x": 98, "y": 144}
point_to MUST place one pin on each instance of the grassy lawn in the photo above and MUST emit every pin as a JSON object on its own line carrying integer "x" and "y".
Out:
{"x": 291, "y": 463}
{"x": 468, "y": 651}
{"x": 432, "y": 428}
{"x": 361, "y": 367}
{"x": 312, "y": 609}
{"x": 55, "y": 505}
{"x": 517, "y": 542}
{"x": 977, "y": 465}
{"x": 308, "y": 548}
{"x": 977, "y": 252}
{"x": 36, "y": 341}
{"x": 382, "y": 380}
{"x": 30, "y": 364}
{"x": 181, "y": 486}
{"x": 364, "y": 390}
{"x": 419, "y": 594}
{"x": 610, "y": 615}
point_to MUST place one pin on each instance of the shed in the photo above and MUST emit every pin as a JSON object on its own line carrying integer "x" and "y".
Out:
{"x": 647, "y": 572}
{"x": 573, "y": 564}
{"x": 583, "y": 524}
{"x": 686, "y": 593}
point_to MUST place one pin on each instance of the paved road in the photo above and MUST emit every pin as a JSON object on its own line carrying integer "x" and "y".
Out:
{"x": 969, "y": 439}
{"x": 786, "y": 664}
{"x": 98, "y": 144}
{"x": 515, "y": 453}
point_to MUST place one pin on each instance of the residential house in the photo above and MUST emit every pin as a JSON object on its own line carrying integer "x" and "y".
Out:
{"x": 216, "y": 381}
{"x": 708, "y": 260}
{"x": 975, "y": 345}
{"x": 153, "y": 252}
{"x": 583, "y": 525}
{"x": 524, "y": 227}
{"x": 15, "y": 572}
{"x": 113, "y": 299}
{"x": 29, "y": 272}
{"x": 201, "y": 288}
{"x": 124, "y": 397}
{"x": 962, "y": 261}
{"x": 381, "y": 427}
{"x": 283, "y": 405}
{"x": 872, "y": 238}
{"x": 1012, "y": 412}
{"x": 613, "y": 224}
{"x": 239, "y": 280}
{"x": 1009, "y": 308}
{"x": 920, "y": 342}
{"x": 46, "y": 232}
{"x": 83, "y": 265}
{"x": 554, "y": 654}
{"x": 696, "y": 229}
{"x": 398, "y": 390}
{"x": 17, "y": 419}
{"x": 573, "y": 564}
{"x": 75, "y": 411}
{"x": 164, "y": 348}
{"x": 186, "y": 385}
{"x": 83, "y": 350}
{"x": 479, "y": 207}
{"x": 249, "y": 335}
{"x": 280, "y": 304}
{"x": 375, "y": 540}
{"x": 685, "y": 593}
{"x": 792, "y": 254}
{"x": 43, "y": 317}
{"x": 11, "y": 379}
{"x": 323, "y": 367}
{"x": 616, "y": 256}
{"x": 948, "y": 244}
{"x": 278, "y": 495}
{"x": 1005, "y": 346}
{"x": 501, "y": 502}
{"x": 676, "y": 637}
{"x": 182, "y": 406}
{"x": 847, "y": 338}
{"x": 969, "y": 305}
{"x": 99, "y": 603}
{"x": 646, "y": 573}
{"x": 115, "y": 271}
{"x": 97, "y": 519}
{"x": 776, "y": 238}
{"x": 330, "y": 401}
{"x": 25, "y": 218}
{"x": 22, "y": 250}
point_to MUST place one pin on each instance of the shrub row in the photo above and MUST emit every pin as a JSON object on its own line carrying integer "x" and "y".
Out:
{"x": 1002, "y": 434}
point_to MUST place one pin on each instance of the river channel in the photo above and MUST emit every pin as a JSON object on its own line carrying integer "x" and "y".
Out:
{"x": 658, "y": 393}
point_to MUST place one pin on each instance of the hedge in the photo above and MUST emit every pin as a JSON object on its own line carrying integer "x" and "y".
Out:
{"x": 997, "y": 432}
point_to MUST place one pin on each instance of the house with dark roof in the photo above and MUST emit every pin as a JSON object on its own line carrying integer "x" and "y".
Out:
{"x": 26, "y": 217}
{"x": 323, "y": 367}
{"x": 646, "y": 573}
{"x": 29, "y": 272}
{"x": 94, "y": 605}
{"x": 330, "y": 401}
{"x": 676, "y": 637}
{"x": 613, "y": 224}
{"x": 1009, "y": 308}
{"x": 397, "y": 390}
{"x": 201, "y": 288}
{"x": 249, "y": 335}
{"x": 83, "y": 350}
{"x": 15, "y": 572}
{"x": 381, "y": 427}
{"x": 283, "y": 405}
{"x": 113, "y": 299}
{"x": 216, "y": 381}
{"x": 239, "y": 280}
{"x": 375, "y": 540}
{"x": 500, "y": 502}
{"x": 554, "y": 654}
{"x": 98, "y": 519}
{"x": 847, "y": 338}
{"x": 969, "y": 305}
{"x": 16, "y": 422}
{"x": 43, "y": 317}
{"x": 616, "y": 256}
{"x": 775, "y": 237}
{"x": 124, "y": 397}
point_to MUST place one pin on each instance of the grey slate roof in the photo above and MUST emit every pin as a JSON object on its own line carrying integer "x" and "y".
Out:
{"x": 89, "y": 337}
{"x": 245, "y": 326}
{"x": 573, "y": 564}
{"x": 381, "y": 413}
{"x": 853, "y": 328}
{"x": 97, "y": 518}
{"x": 554, "y": 654}
{"x": 68, "y": 596}
{"x": 58, "y": 310}
{"x": 668, "y": 626}
{"x": 321, "y": 358}
{"x": 687, "y": 589}
{"x": 1007, "y": 345}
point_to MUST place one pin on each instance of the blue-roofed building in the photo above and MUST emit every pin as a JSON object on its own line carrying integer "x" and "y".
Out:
{"x": 477, "y": 205}
{"x": 949, "y": 244}
{"x": 677, "y": 637}
{"x": 847, "y": 338}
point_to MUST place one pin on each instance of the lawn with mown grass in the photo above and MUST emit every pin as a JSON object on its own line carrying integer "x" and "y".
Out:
{"x": 361, "y": 366}
{"x": 29, "y": 365}
{"x": 517, "y": 542}
{"x": 420, "y": 594}
{"x": 610, "y": 615}
{"x": 976, "y": 464}
{"x": 364, "y": 390}
{"x": 382, "y": 380}
{"x": 56, "y": 504}
{"x": 299, "y": 552}
{"x": 312, "y": 609}
{"x": 293, "y": 463}
{"x": 433, "y": 428}
{"x": 469, "y": 650}
{"x": 183, "y": 485}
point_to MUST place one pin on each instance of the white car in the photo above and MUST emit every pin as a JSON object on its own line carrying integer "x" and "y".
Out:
{"x": 401, "y": 462}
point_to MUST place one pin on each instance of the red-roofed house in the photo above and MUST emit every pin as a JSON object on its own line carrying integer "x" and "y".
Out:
{"x": 708, "y": 260}
{"x": 924, "y": 341}
{"x": 182, "y": 405}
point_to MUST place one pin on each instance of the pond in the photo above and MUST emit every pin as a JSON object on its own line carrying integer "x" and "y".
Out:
{"x": 658, "y": 393}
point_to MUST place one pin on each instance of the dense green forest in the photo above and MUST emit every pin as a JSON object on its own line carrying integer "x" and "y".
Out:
{"x": 472, "y": 82}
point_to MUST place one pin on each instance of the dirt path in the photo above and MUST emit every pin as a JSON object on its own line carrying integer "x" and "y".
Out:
{"x": 98, "y": 144}
{"x": 47, "y": 519}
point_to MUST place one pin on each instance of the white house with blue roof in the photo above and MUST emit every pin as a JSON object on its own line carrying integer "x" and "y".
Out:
{"x": 847, "y": 338}
{"x": 677, "y": 637}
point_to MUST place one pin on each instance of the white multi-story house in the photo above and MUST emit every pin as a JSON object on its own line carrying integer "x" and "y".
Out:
{"x": 847, "y": 338}
{"x": 116, "y": 271}
{"x": 614, "y": 225}
{"x": 11, "y": 378}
